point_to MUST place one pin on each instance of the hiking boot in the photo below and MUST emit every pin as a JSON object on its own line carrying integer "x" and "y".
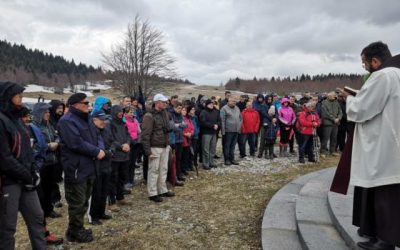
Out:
{"x": 206, "y": 168}
{"x": 114, "y": 208}
{"x": 235, "y": 163}
{"x": 213, "y": 166}
{"x": 301, "y": 160}
{"x": 80, "y": 236}
{"x": 227, "y": 163}
{"x": 216, "y": 157}
{"x": 106, "y": 217}
{"x": 156, "y": 198}
{"x": 181, "y": 178}
{"x": 378, "y": 245}
{"x": 168, "y": 194}
{"x": 57, "y": 204}
{"x": 126, "y": 192}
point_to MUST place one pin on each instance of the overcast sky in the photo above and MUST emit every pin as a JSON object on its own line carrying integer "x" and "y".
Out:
{"x": 213, "y": 40}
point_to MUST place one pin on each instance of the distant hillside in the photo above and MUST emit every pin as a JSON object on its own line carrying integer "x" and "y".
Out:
{"x": 317, "y": 83}
{"x": 27, "y": 66}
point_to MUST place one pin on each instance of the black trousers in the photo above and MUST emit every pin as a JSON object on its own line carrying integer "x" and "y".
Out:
{"x": 186, "y": 158}
{"x": 46, "y": 188}
{"x": 269, "y": 148}
{"x": 376, "y": 212}
{"x": 133, "y": 154}
{"x": 99, "y": 196}
{"x": 195, "y": 152}
{"x": 178, "y": 155}
{"x": 119, "y": 173}
{"x": 145, "y": 167}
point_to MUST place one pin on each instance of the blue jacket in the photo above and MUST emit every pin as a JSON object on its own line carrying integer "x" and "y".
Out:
{"x": 79, "y": 146}
{"x": 196, "y": 126}
{"x": 39, "y": 147}
{"x": 178, "y": 131}
{"x": 270, "y": 130}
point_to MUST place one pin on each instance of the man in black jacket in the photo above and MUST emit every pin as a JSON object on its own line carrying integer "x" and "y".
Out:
{"x": 120, "y": 159}
{"x": 210, "y": 121}
{"x": 79, "y": 150}
{"x": 18, "y": 174}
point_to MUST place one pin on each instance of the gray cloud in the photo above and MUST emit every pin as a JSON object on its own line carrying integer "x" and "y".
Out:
{"x": 213, "y": 40}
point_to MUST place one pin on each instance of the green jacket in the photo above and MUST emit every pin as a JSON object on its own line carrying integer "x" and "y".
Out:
{"x": 329, "y": 112}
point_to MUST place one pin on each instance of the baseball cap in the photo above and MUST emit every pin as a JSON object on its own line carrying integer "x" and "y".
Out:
{"x": 160, "y": 97}
{"x": 99, "y": 114}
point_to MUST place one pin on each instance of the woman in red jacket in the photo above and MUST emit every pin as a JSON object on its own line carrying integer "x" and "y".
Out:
{"x": 188, "y": 132}
{"x": 249, "y": 129}
{"x": 308, "y": 121}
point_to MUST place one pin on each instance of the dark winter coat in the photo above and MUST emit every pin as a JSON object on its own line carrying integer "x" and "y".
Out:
{"x": 270, "y": 129}
{"x": 155, "y": 130}
{"x": 47, "y": 129}
{"x": 178, "y": 131}
{"x": 104, "y": 165}
{"x": 208, "y": 118}
{"x": 79, "y": 146}
{"x": 16, "y": 155}
{"x": 120, "y": 135}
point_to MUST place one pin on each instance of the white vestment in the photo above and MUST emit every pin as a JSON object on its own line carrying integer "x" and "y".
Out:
{"x": 376, "y": 146}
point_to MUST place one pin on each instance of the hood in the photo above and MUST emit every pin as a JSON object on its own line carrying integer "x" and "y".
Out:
{"x": 7, "y": 91}
{"x": 260, "y": 96}
{"x": 115, "y": 109}
{"x": 99, "y": 102}
{"x": 55, "y": 104}
{"x": 284, "y": 100}
{"x": 38, "y": 111}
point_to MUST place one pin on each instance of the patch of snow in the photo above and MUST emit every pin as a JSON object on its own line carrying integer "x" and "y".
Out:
{"x": 32, "y": 100}
{"x": 36, "y": 88}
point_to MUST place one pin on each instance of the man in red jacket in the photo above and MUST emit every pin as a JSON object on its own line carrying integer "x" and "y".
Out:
{"x": 249, "y": 129}
{"x": 308, "y": 121}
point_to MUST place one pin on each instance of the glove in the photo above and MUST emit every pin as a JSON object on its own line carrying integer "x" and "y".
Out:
{"x": 35, "y": 182}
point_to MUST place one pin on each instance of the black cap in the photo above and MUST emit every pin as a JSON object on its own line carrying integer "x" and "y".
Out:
{"x": 75, "y": 98}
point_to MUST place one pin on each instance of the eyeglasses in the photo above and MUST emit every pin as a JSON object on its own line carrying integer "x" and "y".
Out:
{"x": 86, "y": 103}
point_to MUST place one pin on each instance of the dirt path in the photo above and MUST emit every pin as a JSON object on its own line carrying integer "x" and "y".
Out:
{"x": 220, "y": 209}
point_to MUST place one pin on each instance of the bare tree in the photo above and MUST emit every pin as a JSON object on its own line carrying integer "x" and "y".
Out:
{"x": 140, "y": 59}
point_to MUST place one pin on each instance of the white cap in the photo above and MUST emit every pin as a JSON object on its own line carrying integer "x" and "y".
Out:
{"x": 160, "y": 97}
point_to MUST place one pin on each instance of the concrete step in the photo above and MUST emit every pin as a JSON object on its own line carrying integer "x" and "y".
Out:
{"x": 314, "y": 224}
{"x": 279, "y": 229}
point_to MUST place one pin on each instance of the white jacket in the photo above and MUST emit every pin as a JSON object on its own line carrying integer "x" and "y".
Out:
{"x": 376, "y": 146}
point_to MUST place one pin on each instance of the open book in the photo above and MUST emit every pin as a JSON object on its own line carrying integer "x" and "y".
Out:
{"x": 351, "y": 91}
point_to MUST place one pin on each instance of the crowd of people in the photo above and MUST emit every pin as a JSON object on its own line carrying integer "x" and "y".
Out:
{"x": 94, "y": 149}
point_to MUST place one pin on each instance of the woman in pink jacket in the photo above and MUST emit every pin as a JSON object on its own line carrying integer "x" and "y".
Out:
{"x": 134, "y": 131}
{"x": 287, "y": 119}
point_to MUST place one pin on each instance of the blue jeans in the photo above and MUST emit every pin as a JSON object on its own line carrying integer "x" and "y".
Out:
{"x": 250, "y": 138}
{"x": 230, "y": 140}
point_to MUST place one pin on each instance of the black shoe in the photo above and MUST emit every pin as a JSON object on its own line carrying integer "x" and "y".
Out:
{"x": 206, "y": 168}
{"x": 106, "y": 217}
{"x": 168, "y": 194}
{"x": 185, "y": 173}
{"x": 181, "y": 178}
{"x": 259, "y": 156}
{"x": 213, "y": 166}
{"x": 126, "y": 192}
{"x": 81, "y": 236}
{"x": 96, "y": 222}
{"x": 267, "y": 157}
{"x": 57, "y": 204}
{"x": 190, "y": 169}
{"x": 235, "y": 163}
{"x": 364, "y": 235}
{"x": 179, "y": 184}
{"x": 378, "y": 245}
{"x": 227, "y": 163}
{"x": 156, "y": 198}
{"x": 312, "y": 160}
{"x": 54, "y": 215}
{"x": 216, "y": 157}
{"x": 275, "y": 156}
{"x": 301, "y": 160}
